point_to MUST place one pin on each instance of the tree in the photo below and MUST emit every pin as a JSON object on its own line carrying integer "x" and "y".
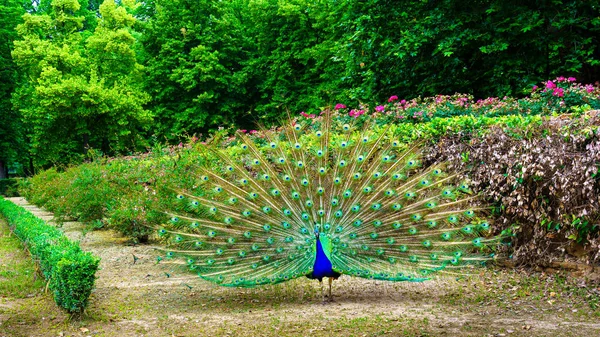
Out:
{"x": 11, "y": 129}
{"x": 75, "y": 96}
{"x": 193, "y": 53}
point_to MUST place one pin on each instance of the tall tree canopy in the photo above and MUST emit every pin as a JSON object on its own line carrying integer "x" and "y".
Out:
{"x": 11, "y": 128}
{"x": 114, "y": 75}
{"x": 81, "y": 91}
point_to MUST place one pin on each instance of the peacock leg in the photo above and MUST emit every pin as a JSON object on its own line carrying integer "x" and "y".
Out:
{"x": 322, "y": 291}
{"x": 330, "y": 282}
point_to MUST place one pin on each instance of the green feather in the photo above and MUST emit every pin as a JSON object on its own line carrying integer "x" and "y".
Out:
{"x": 382, "y": 215}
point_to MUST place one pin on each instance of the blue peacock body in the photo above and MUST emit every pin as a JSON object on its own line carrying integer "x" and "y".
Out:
{"x": 322, "y": 198}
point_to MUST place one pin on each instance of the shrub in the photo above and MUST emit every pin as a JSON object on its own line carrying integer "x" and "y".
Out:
{"x": 8, "y": 187}
{"x": 69, "y": 271}
{"x": 546, "y": 181}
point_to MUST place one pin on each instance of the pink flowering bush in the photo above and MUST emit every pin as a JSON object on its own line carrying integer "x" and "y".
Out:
{"x": 556, "y": 96}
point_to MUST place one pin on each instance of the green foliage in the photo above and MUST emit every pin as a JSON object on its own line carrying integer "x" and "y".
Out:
{"x": 8, "y": 187}
{"x": 69, "y": 271}
{"x": 11, "y": 127}
{"x": 79, "y": 92}
{"x": 248, "y": 62}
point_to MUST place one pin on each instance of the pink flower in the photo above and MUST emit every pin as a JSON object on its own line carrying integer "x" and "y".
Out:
{"x": 561, "y": 79}
{"x": 589, "y": 88}
{"x": 340, "y": 106}
{"x": 393, "y": 98}
{"x": 355, "y": 113}
{"x": 379, "y": 108}
{"x": 560, "y": 92}
{"x": 550, "y": 85}
{"x": 571, "y": 79}
{"x": 243, "y": 131}
{"x": 253, "y": 132}
{"x": 304, "y": 114}
{"x": 535, "y": 87}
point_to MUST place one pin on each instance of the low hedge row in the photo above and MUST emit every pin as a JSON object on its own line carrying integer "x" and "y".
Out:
{"x": 69, "y": 270}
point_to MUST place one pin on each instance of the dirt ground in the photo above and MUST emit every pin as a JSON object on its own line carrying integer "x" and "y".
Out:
{"x": 134, "y": 296}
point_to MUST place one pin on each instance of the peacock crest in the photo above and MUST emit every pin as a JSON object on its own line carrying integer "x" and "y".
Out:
{"x": 320, "y": 198}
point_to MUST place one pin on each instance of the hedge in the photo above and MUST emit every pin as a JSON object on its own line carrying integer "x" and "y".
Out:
{"x": 69, "y": 271}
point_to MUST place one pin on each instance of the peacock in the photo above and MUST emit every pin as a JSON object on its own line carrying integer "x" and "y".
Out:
{"x": 323, "y": 197}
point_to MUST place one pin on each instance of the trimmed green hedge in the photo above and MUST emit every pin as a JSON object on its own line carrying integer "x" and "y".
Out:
{"x": 69, "y": 270}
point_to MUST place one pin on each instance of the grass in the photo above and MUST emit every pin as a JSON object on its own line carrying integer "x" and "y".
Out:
{"x": 18, "y": 273}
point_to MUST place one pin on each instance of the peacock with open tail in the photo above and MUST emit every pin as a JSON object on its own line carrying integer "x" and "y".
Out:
{"x": 324, "y": 197}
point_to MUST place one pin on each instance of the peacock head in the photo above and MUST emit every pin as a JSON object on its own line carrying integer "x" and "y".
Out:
{"x": 317, "y": 231}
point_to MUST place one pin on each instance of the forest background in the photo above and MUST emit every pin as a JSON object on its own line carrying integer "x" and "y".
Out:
{"x": 82, "y": 78}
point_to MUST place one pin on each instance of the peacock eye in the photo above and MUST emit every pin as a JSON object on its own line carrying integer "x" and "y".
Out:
{"x": 342, "y": 163}
{"x": 297, "y": 146}
{"x": 230, "y": 168}
{"x": 297, "y": 127}
{"x": 320, "y": 153}
{"x": 344, "y": 144}
{"x": 300, "y": 164}
{"x": 273, "y": 145}
{"x": 360, "y": 158}
{"x": 395, "y": 143}
{"x": 244, "y": 147}
{"x": 281, "y": 160}
{"x": 346, "y": 127}
{"x": 365, "y": 139}
{"x": 180, "y": 197}
{"x": 319, "y": 133}
{"x": 322, "y": 170}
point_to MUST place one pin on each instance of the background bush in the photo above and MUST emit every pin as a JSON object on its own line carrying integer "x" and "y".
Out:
{"x": 545, "y": 180}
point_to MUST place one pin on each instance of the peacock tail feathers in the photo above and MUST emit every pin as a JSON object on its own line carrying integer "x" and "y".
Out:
{"x": 380, "y": 213}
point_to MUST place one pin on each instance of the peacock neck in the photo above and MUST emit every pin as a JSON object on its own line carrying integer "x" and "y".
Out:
{"x": 322, "y": 267}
